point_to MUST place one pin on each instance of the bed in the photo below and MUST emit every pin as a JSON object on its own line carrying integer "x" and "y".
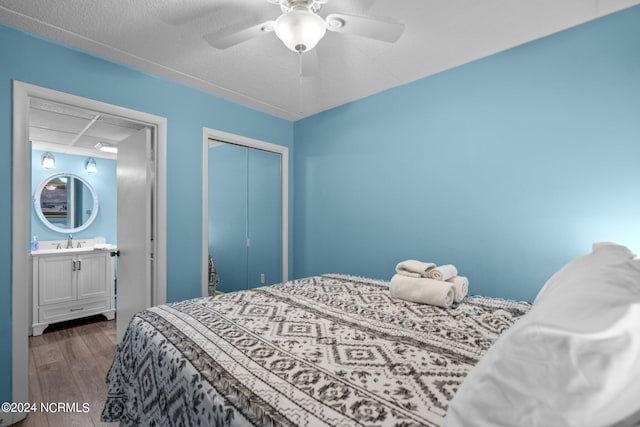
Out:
{"x": 330, "y": 350}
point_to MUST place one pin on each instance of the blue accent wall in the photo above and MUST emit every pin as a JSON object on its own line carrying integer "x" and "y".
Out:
{"x": 103, "y": 182}
{"x": 506, "y": 167}
{"x": 34, "y": 60}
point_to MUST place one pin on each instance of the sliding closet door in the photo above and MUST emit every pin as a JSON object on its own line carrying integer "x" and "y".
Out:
{"x": 245, "y": 216}
{"x": 228, "y": 214}
{"x": 264, "y": 218}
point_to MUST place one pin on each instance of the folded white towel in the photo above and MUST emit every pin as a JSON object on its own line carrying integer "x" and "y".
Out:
{"x": 442, "y": 272}
{"x": 422, "y": 290}
{"x": 460, "y": 286}
{"x": 413, "y": 268}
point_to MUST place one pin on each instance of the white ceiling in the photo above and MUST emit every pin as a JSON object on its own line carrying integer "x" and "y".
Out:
{"x": 165, "y": 37}
{"x": 64, "y": 129}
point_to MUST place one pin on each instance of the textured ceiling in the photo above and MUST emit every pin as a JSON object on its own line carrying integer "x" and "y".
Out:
{"x": 166, "y": 37}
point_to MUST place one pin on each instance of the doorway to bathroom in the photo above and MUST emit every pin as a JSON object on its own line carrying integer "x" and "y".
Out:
{"x": 141, "y": 216}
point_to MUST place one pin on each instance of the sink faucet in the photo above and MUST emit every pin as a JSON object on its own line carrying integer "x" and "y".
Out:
{"x": 70, "y": 242}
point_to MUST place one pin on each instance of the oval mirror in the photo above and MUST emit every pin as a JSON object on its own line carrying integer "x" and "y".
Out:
{"x": 66, "y": 202}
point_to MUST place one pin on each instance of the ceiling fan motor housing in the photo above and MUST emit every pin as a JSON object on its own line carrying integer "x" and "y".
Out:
{"x": 287, "y": 5}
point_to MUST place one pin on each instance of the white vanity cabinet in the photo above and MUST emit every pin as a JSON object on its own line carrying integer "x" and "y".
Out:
{"x": 71, "y": 285}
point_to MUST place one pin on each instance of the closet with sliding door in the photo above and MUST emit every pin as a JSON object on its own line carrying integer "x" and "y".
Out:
{"x": 245, "y": 216}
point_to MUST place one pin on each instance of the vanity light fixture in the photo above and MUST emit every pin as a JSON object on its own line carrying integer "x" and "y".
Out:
{"x": 48, "y": 161}
{"x": 90, "y": 165}
{"x": 107, "y": 148}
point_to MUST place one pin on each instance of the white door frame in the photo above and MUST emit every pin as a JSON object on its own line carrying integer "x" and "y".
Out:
{"x": 21, "y": 209}
{"x": 212, "y": 134}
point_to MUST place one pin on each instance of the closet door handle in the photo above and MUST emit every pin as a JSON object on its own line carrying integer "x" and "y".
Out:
{"x": 74, "y": 265}
{"x": 79, "y": 265}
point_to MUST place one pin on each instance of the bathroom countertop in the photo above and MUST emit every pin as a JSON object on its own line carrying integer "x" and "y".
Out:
{"x": 63, "y": 251}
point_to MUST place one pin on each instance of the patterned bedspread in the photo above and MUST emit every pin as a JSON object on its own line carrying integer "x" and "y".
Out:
{"x": 330, "y": 350}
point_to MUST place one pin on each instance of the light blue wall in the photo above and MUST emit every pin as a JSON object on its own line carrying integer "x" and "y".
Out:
{"x": 34, "y": 60}
{"x": 506, "y": 167}
{"x": 103, "y": 182}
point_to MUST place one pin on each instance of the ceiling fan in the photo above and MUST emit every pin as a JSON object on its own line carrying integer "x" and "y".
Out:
{"x": 300, "y": 27}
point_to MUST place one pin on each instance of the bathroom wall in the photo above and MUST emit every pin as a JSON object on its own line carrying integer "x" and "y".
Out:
{"x": 103, "y": 182}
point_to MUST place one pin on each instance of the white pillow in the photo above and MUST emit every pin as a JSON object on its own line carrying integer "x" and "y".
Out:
{"x": 573, "y": 360}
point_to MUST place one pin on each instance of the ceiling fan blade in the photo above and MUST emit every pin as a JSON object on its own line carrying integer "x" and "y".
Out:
{"x": 373, "y": 28}
{"x": 225, "y": 39}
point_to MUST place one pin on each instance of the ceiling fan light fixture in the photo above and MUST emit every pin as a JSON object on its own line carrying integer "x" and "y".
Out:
{"x": 300, "y": 29}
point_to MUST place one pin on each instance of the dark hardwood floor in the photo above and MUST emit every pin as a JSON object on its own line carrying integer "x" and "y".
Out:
{"x": 68, "y": 364}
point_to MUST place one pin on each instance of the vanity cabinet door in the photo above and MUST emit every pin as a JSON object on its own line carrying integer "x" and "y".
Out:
{"x": 71, "y": 286}
{"x": 93, "y": 275}
{"x": 56, "y": 279}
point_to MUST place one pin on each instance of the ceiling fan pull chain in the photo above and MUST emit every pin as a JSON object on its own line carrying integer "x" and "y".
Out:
{"x": 300, "y": 83}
